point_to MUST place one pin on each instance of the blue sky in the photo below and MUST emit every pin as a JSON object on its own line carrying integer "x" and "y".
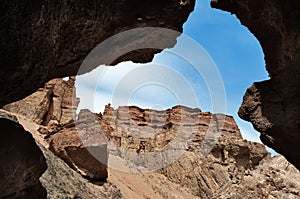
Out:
{"x": 231, "y": 47}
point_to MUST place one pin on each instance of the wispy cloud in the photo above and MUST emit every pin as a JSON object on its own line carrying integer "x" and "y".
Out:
{"x": 232, "y": 47}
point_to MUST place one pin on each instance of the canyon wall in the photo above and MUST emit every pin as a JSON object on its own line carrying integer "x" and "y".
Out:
{"x": 53, "y": 110}
{"x": 46, "y": 39}
{"x": 134, "y": 140}
{"x": 272, "y": 106}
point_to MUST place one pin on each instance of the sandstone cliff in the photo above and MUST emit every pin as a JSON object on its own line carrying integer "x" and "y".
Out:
{"x": 49, "y": 39}
{"x": 234, "y": 167}
{"x": 55, "y": 104}
{"x": 42, "y": 40}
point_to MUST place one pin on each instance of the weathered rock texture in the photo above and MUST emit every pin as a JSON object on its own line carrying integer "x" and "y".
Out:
{"x": 48, "y": 39}
{"x": 22, "y": 162}
{"x": 74, "y": 144}
{"x": 233, "y": 168}
{"x": 63, "y": 182}
{"x": 273, "y": 106}
{"x": 52, "y": 106}
{"x": 59, "y": 180}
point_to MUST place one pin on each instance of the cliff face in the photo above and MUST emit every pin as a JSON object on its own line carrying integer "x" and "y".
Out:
{"x": 273, "y": 106}
{"x": 56, "y": 103}
{"x": 53, "y": 109}
{"x": 74, "y": 143}
{"x": 48, "y": 39}
{"x": 233, "y": 168}
{"x": 179, "y": 129}
{"x": 42, "y": 40}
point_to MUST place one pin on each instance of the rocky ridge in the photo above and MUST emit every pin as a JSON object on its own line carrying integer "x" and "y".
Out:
{"x": 45, "y": 40}
{"x": 53, "y": 109}
{"x": 233, "y": 168}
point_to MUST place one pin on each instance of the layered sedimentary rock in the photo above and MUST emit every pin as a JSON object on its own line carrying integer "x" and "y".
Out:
{"x": 53, "y": 109}
{"x": 80, "y": 149}
{"x": 52, "y": 106}
{"x": 232, "y": 167}
{"x": 22, "y": 162}
{"x": 193, "y": 153}
{"x": 49, "y": 39}
{"x": 273, "y": 106}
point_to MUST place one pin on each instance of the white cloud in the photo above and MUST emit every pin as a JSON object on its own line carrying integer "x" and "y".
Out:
{"x": 144, "y": 85}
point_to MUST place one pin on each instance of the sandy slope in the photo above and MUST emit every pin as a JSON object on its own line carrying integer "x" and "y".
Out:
{"x": 149, "y": 186}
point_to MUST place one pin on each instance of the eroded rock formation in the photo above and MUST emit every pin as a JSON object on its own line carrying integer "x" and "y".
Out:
{"x": 22, "y": 162}
{"x": 52, "y": 106}
{"x": 53, "y": 110}
{"x": 74, "y": 144}
{"x": 44, "y": 40}
{"x": 48, "y": 39}
{"x": 273, "y": 106}
{"x": 232, "y": 167}
{"x": 63, "y": 182}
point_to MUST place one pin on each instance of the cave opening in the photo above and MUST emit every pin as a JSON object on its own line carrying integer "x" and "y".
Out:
{"x": 161, "y": 116}
{"x": 232, "y": 48}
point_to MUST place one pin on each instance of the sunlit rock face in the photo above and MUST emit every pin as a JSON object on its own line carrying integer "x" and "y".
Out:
{"x": 273, "y": 106}
{"x": 47, "y": 39}
{"x": 53, "y": 106}
{"x": 97, "y": 145}
{"x": 75, "y": 144}
{"x": 53, "y": 109}
{"x": 44, "y": 40}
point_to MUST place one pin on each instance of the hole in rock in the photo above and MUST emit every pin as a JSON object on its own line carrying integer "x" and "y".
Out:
{"x": 231, "y": 47}
{"x": 66, "y": 78}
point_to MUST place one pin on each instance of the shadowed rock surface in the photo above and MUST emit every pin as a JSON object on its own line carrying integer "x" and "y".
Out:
{"x": 22, "y": 162}
{"x": 273, "y": 106}
{"x": 43, "y": 40}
